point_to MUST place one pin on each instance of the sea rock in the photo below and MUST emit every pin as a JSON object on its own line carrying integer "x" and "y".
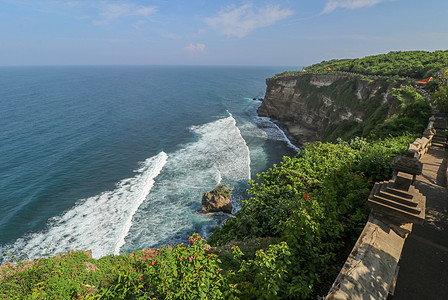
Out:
{"x": 217, "y": 200}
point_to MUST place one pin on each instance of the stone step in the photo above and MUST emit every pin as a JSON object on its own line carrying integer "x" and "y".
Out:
{"x": 416, "y": 194}
{"x": 399, "y": 193}
{"x": 439, "y": 144}
{"x": 377, "y": 187}
{"x": 397, "y": 205}
{"x": 439, "y": 137}
{"x": 395, "y": 212}
{"x": 402, "y": 200}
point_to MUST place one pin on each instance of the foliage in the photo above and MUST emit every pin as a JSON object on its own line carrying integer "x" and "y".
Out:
{"x": 59, "y": 277}
{"x": 222, "y": 190}
{"x": 262, "y": 277}
{"x": 412, "y": 117}
{"x": 314, "y": 202}
{"x": 175, "y": 273}
{"x": 411, "y": 113}
{"x": 414, "y": 64}
{"x": 313, "y": 205}
{"x": 441, "y": 95}
{"x": 182, "y": 272}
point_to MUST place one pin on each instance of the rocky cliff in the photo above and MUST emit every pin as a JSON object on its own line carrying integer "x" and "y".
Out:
{"x": 314, "y": 107}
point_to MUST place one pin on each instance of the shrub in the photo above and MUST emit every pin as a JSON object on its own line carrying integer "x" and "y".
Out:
{"x": 182, "y": 272}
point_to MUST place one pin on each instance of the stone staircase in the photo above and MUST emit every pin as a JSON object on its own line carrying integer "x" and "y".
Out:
{"x": 394, "y": 199}
{"x": 440, "y": 125}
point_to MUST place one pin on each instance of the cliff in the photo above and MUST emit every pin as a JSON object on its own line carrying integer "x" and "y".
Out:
{"x": 315, "y": 107}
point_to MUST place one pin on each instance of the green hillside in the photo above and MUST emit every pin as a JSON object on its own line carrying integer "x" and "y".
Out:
{"x": 414, "y": 64}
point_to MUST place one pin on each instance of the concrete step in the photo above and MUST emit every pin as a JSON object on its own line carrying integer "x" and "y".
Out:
{"x": 395, "y": 212}
{"x": 439, "y": 144}
{"x": 377, "y": 187}
{"x": 399, "y": 193}
{"x": 439, "y": 141}
{"x": 439, "y": 137}
{"x": 397, "y": 205}
{"x": 402, "y": 200}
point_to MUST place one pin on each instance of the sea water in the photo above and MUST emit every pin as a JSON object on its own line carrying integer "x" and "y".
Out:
{"x": 116, "y": 158}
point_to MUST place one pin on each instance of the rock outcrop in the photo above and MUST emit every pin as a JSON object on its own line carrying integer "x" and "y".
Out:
{"x": 310, "y": 106}
{"x": 217, "y": 200}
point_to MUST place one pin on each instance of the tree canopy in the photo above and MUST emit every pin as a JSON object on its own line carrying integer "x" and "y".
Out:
{"x": 414, "y": 64}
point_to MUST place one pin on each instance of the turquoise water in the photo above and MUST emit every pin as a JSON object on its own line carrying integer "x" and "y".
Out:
{"x": 115, "y": 159}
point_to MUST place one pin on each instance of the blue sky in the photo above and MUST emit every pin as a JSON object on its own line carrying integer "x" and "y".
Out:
{"x": 200, "y": 32}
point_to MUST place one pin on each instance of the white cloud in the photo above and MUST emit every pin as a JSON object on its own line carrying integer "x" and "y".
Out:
{"x": 239, "y": 21}
{"x": 113, "y": 11}
{"x": 72, "y": 4}
{"x": 195, "y": 48}
{"x": 169, "y": 35}
{"x": 350, "y": 4}
{"x": 101, "y": 12}
{"x": 109, "y": 11}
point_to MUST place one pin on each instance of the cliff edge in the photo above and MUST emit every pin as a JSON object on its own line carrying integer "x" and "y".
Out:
{"x": 322, "y": 107}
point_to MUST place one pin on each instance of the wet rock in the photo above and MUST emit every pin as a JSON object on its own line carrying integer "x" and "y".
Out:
{"x": 217, "y": 200}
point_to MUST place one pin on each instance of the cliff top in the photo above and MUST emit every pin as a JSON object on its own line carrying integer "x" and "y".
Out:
{"x": 407, "y": 64}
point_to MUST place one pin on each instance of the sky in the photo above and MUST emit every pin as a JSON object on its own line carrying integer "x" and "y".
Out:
{"x": 201, "y": 32}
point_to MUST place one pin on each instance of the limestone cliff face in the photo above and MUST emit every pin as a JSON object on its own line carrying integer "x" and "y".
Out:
{"x": 310, "y": 105}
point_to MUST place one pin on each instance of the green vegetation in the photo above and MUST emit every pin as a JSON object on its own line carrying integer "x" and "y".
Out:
{"x": 182, "y": 272}
{"x": 411, "y": 115}
{"x": 222, "y": 190}
{"x": 303, "y": 218}
{"x": 414, "y": 64}
{"x": 414, "y": 112}
{"x": 405, "y": 108}
{"x": 315, "y": 203}
{"x": 440, "y": 96}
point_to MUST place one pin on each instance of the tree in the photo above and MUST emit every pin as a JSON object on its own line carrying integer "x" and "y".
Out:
{"x": 441, "y": 95}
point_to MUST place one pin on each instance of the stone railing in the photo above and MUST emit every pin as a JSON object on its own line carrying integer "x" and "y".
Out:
{"x": 421, "y": 145}
{"x": 371, "y": 269}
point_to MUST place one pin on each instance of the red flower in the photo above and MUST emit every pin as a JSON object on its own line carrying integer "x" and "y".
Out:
{"x": 349, "y": 215}
{"x": 190, "y": 258}
{"x": 306, "y": 197}
{"x": 191, "y": 240}
{"x": 153, "y": 263}
{"x": 198, "y": 238}
{"x": 197, "y": 258}
{"x": 180, "y": 258}
{"x": 290, "y": 212}
{"x": 343, "y": 223}
{"x": 209, "y": 256}
{"x": 142, "y": 277}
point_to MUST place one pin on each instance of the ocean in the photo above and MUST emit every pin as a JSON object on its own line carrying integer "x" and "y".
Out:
{"x": 116, "y": 158}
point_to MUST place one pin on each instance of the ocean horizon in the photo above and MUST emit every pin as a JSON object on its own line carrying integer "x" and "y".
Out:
{"x": 115, "y": 158}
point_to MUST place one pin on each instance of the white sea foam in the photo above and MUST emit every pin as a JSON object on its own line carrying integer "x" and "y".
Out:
{"x": 274, "y": 132}
{"x": 99, "y": 223}
{"x": 221, "y": 143}
{"x": 218, "y": 155}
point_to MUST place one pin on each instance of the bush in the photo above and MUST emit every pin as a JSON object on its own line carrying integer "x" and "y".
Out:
{"x": 182, "y": 272}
